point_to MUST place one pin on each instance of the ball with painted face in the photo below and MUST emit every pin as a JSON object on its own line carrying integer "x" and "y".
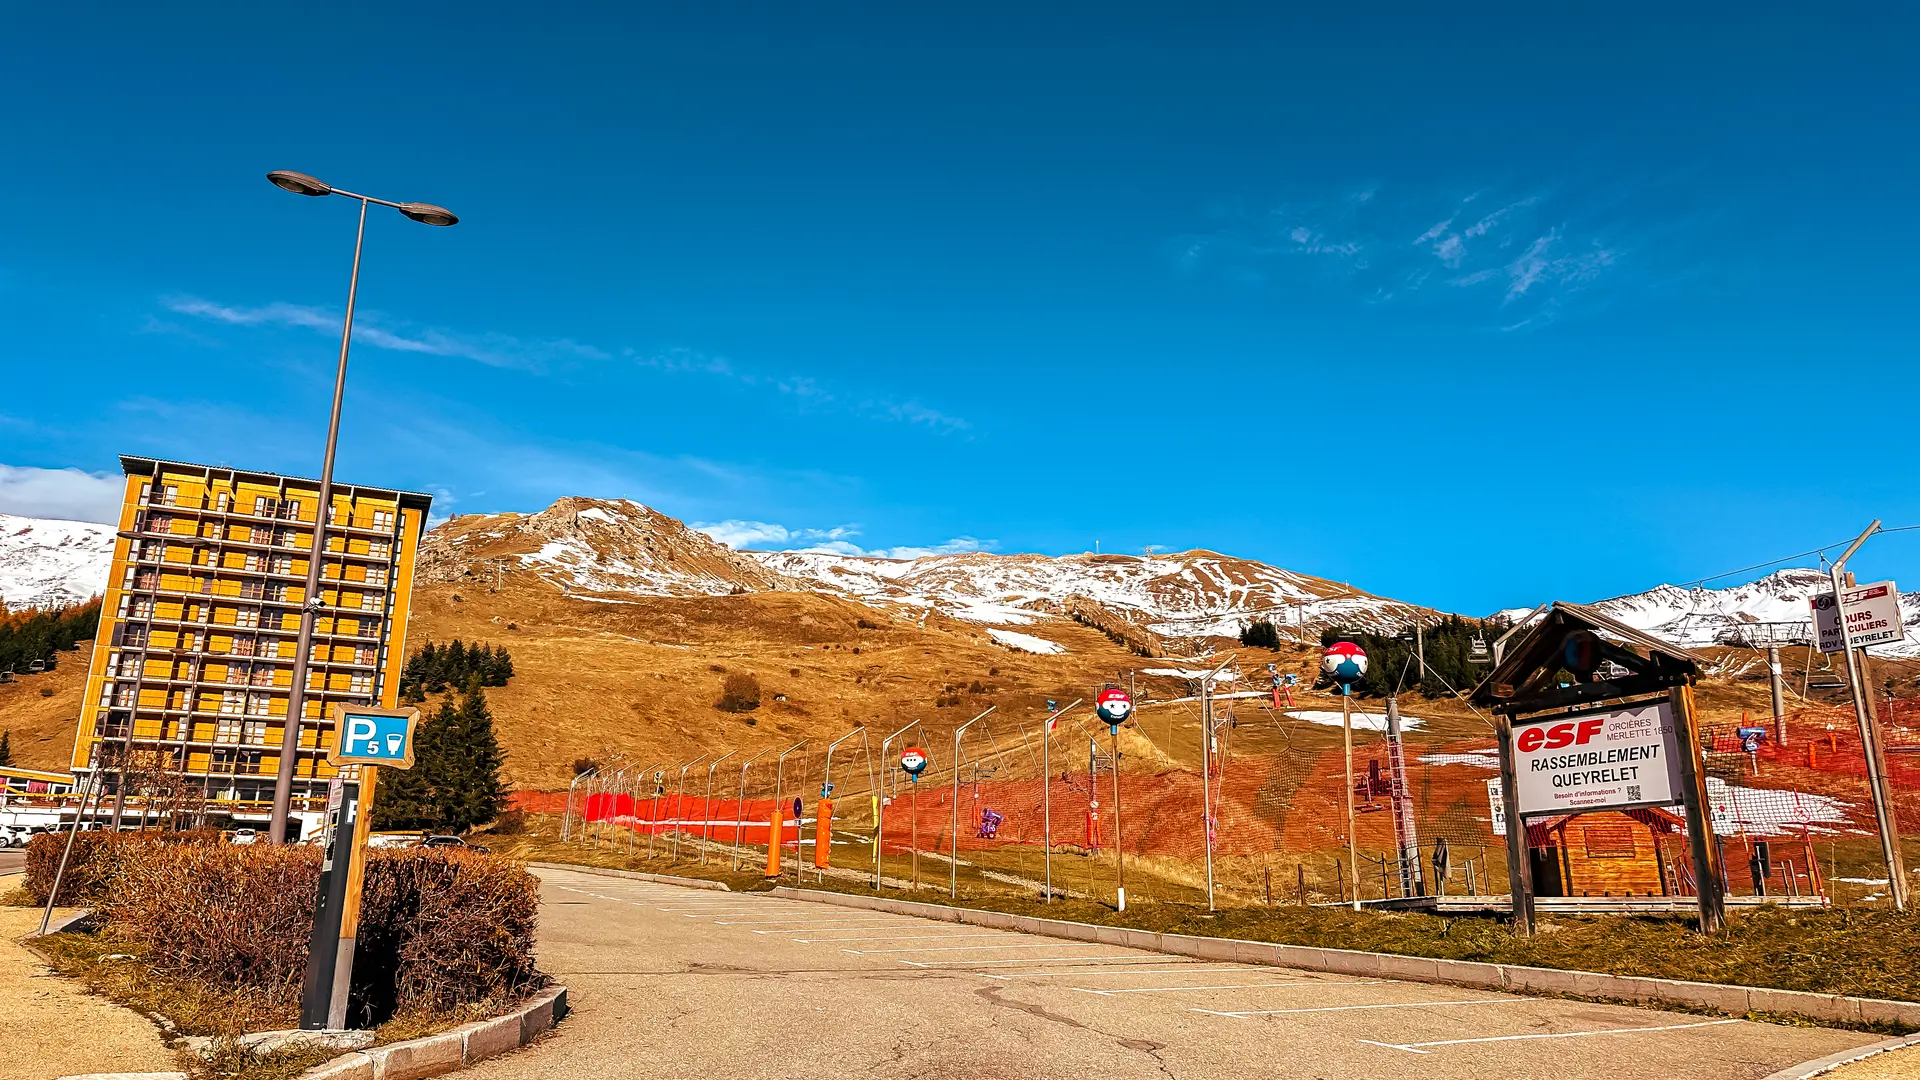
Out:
{"x": 1114, "y": 706}
{"x": 915, "y": 761}
{"x": 1344, "y": 663}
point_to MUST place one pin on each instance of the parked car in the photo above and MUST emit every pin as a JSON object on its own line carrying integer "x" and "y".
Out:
{"x": 245, "y": 836}
{"x": 450, "y": 841}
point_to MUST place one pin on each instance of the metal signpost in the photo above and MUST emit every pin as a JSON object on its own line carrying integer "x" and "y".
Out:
{"x": 1114, "y": 706}
{"x": 914, "y": 761}
{"x": 880, "y": 804}
{"x": 371, "y": 739}
{"x": 1346, "y": 663}
{"x": 1866, "y": 615}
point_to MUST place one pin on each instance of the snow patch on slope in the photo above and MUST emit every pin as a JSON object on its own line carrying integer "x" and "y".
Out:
{"x": 45, "y": 563}
{"x": 1013, "y": 639}
{"x": 1697, "y": 617}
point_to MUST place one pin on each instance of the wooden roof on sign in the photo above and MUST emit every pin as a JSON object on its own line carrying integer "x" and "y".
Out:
{"x": 1524, "y": 680}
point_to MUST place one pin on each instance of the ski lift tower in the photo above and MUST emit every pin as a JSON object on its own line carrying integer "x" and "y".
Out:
{"x": 1770, "y": 636}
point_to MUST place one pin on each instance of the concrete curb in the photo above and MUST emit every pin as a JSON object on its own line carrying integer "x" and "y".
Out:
{"x": 1717, "y": 997}
{"x": 663, "y": 879}
{"x": 1808, "y": 1069}
{"x": 450, "y": 1051}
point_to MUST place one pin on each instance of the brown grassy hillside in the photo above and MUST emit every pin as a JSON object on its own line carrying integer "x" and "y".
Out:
{"x": 43, "y": 725}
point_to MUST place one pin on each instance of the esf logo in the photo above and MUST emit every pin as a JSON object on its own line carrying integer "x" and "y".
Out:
{"x": 1556, "y": 736}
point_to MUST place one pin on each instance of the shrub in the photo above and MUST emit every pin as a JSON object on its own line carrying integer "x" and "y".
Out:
{"x": 740, "y": 693}
{"x": 439, "y": 928}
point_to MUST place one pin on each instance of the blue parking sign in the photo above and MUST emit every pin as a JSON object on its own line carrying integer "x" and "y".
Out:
{"x": 368, "y": 736}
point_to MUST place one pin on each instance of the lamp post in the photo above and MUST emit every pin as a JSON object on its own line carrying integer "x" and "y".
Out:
{"x": 427, "y": 214}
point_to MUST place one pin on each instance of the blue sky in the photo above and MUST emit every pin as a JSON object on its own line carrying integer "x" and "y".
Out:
{"x": 1473, "y": 310}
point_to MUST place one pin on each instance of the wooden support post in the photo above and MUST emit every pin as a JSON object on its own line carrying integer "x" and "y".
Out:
{"x": 1708, "y": 880}
{"x": 1519, "y": 869}
{"x": 1873, "y": 751}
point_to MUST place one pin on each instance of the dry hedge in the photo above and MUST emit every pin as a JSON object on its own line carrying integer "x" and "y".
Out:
{"x": 439, "y": 928}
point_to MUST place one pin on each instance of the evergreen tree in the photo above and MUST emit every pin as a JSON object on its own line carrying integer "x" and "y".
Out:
{"x": 6, "y": 747}
{"x": 1261, "y": 634}
{"x": 405, "y": 797}
{"x": 469, "y": 791}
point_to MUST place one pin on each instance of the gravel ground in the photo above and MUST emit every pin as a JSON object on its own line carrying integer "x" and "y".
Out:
{"x": 51, "y": 1027}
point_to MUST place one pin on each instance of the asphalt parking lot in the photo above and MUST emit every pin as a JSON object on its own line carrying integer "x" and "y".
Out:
{"x": 672, "y": 981}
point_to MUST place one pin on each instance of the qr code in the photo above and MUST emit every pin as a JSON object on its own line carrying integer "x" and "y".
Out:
{"x": 1633, "y": 791}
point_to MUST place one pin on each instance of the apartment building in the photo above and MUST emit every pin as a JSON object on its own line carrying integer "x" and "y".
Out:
{"x": 194, "y": 659}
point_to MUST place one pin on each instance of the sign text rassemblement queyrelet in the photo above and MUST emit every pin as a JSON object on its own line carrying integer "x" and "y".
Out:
{"x": 1601, "y": 759}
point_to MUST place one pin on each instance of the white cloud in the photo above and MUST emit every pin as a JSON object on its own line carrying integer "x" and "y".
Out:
{"x": 738, "y": 534}
{"x": 766, "y": 535}
{"x": 506, "y": 351}
{"x": 495, "y": 350}
{"x": 66, "y": 494}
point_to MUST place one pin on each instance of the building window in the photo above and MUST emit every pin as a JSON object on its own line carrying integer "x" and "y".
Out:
{"x": 233, "y": 702}
{"x": 381, "y": 549}
{"x": 159, "y": 523}
{"x": 246, "y": 617}
{"x": 241, "y": 647}
{"x": 258, "y": 705}
{"x": 364, "y": 656}
{"x": 283, "y": 564}
{"x": 383, "y": 519}
{"x": 360, "y": 684}
{"x": 291, "y": 511}
{"x": 226, "y": 731}
{"x": 224, "y": 502}
{"x": 376, "y": 575}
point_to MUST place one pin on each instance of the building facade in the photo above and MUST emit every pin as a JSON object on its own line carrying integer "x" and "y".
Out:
{"x": 187, "y": 692}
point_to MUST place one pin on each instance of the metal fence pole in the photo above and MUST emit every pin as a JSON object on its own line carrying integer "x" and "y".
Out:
{"x": 706, "y": 807}
{"x": 740, "y": 808}
{"x": 680, "y": 812}
{"x": 1046, "y": 791}
{"x": 635, "y": 827}
{"x": 953, "y": 871}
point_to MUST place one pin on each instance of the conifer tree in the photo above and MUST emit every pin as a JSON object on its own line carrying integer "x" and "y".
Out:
{"x": 472, "y": 792}
{"x": 405, "y": 798}
{"x": 6, "y": 747}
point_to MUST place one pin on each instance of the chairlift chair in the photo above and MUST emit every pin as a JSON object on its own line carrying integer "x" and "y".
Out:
{"x": 1478, "y": 653}
{"x": 35, "y": 667}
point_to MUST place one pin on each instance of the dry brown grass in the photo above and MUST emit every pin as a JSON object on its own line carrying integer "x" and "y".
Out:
{"x": 43, "y": 727}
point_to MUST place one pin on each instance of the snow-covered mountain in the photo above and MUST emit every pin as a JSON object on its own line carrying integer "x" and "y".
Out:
{"x": 1188, "y": 594}
{"x": 46, "y": 563}
{"x": 597, "y": 548}
{"x": 1697, "y": 617}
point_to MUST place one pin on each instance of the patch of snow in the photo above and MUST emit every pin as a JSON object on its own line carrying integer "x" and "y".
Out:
{"x": 1361, "y": 720}
{"x": 1026, "y": 642}
{"x": 46, "y": 563}
{"x": 594, "y": 513}
{"x": 1865, "y": 880}
{"x": 1773, "y": 810}
{"x": 1697, "y": 617}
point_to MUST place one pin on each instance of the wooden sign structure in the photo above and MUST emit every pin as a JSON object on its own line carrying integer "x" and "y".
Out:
{"x": 1599, "y": 744}
{"x": 369, "y": 738}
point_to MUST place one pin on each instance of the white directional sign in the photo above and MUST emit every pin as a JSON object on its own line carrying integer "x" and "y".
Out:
{"x": 1603, "y": 759}
{"x": 1873, "y": 617}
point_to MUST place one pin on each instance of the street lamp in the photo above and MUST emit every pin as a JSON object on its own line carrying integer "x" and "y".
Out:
{"x": 426, "y": 213}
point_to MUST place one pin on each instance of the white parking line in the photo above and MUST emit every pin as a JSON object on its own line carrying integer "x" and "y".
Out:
{"x": 1033, "y": 960}
{"x": 1417, "y": 1047}
{"x": 891, "y": 937}
{"x": 965, "y": 948}
{"x": 815, "y": 929}
{"x": 797, "y": 918}
{"x": 1178, "y": 967}
{"x": 1233, "y": 986}
{"x": 709, "y": 914}
{"x": 1356, "y": 1008}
